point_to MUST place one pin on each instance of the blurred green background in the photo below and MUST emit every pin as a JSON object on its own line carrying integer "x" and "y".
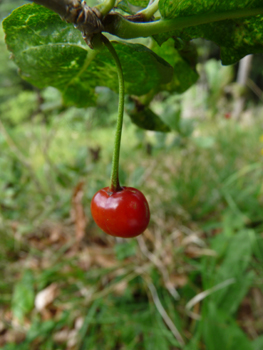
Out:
{"x": 193, "y": 280}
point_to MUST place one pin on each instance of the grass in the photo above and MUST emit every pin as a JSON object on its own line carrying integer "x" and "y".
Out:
{"x": 205, "y": 235}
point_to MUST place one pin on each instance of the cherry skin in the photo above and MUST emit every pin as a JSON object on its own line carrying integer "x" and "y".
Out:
{"x": 123, "y": 213}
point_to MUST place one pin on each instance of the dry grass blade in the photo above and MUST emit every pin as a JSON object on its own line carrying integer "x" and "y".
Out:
{"x": 156, "y": 261}
{"x": 77, "y": 211}
{"x": 164, "y": 314}
{"x": 204, "y": 294}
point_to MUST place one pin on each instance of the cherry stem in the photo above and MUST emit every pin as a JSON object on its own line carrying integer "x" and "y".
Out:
{"x": 115, "y": 185}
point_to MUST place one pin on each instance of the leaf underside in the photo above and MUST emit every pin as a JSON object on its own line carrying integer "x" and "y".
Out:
{"x": 145, "y": 118}
{"x": 184, "y": 75}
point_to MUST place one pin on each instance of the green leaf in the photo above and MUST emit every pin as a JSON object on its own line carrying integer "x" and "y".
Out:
{"x": 50, "y": 52}
{"x": 171, "y": 113}
{"x": 23, "y": 296}
{"x": 235, "y": 293}
{"x": 19, "y": 108}
{"x": 125, "y": 250}
{"x": 221, "y": 332}
{"x": 184, "y": 74}
{"x": 184, "y": 8}
{"x": 236, "y": 37}
{"x": 237, "y": 258}
{"x": 238, "y": 254}
{"x": 139, "y": 3}
{"x": 87, "y": 321}
{"x": 258, "y": 343}
{"x": 145, "y": 118}
{"x": 124, "y": 6}
{"x": 39, "y": 329}
{"x": 13, "y": 346}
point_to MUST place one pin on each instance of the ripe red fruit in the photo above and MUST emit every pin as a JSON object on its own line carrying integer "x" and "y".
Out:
{"x": 123, "y": 213}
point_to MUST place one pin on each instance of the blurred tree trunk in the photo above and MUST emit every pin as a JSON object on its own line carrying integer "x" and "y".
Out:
{"x": 242, "y": 78}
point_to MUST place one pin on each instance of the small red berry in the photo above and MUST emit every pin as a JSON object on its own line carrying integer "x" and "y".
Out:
{"x": 123, "y": 213}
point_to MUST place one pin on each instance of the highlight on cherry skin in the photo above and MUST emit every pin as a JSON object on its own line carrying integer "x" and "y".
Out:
{"x": 124, "y": 213}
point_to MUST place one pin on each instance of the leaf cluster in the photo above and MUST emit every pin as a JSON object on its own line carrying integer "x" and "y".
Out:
{"x": 51, "y": 52}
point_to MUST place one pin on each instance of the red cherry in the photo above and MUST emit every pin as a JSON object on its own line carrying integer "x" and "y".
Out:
{"x": 124, "y": 213}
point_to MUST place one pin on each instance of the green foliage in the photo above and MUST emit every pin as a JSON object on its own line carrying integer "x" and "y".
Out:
{"x": 145, "y": 118}
{"x": 10, "y": 82}
{"x": 220, "y": 332}
{"x": 185, "y": 8}
{"x": 36, "y": 36}
{"x": 234, "y": 256}
{"x": 139, "y": 3}
{"x": 258, "y": 343}
{"x": 125, "y": 250}
{"x": 236, "y": 37}
{"x": 203, "y": 181}
{"x": 237, "y": 256}
{"x": 184, "y": 67}
{"x": 20, "y": 108}
{"x": 72, "y": 67}
{"x": 23, "y": 296}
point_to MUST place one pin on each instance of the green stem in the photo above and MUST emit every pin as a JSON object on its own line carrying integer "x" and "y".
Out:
{"x": 106, "y": 7}
{"x": 119, "y": 26}
{"x": 149, "y": 11}
{"x": 115, "y": 185}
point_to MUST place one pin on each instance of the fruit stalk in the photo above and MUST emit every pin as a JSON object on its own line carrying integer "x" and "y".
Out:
{"x": 114, "y": 184}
